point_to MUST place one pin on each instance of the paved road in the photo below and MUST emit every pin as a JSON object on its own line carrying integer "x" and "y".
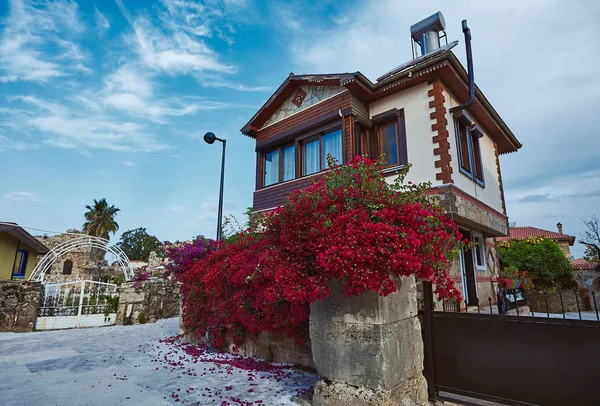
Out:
{"x": 128, "y": 365}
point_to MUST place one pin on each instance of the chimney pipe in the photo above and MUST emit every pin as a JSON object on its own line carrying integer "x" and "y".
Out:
{"x": 467, "y": 32}
{"x": 559, "y": 226}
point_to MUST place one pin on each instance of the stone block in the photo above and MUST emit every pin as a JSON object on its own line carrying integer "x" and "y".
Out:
{"x": 369, "y": 307}
{"x": 368, "y": 350}
{"x": 375, "y": 356}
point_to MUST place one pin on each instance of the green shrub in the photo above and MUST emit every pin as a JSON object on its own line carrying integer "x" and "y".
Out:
{"x": 541, "y": 258}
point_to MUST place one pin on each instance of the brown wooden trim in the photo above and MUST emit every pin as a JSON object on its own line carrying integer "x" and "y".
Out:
{"x": 500, "y": 178}
{"x": 401, "y": 128}
{"x": 441, "y": 137}
{"x": 333, "y": 104}
{"x": 385, "y": 116}
{"x": 311, "y": 125}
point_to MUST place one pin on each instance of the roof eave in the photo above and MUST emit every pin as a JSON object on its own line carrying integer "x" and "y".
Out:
{"x": 485, "y": 102}
{"x": 23, "y": 236}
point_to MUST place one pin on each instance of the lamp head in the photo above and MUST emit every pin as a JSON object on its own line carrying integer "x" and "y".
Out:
{"x": 209, "y": 137}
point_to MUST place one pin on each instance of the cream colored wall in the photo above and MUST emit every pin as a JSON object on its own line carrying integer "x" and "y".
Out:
{"x": 415, "y": 103}
{"x": 8, "y": 250}
{"x": 490, "y": 194}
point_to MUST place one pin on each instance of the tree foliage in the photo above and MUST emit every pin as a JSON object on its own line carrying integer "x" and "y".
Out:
{"x": 541, "y": 258}
{"x": 100, "y": 219}
{"x": 138, "y": 244}
{"x": 232, "y": 229}
{"x": 100, "y": 222}
{"x": 351, "y": 226}
{"x": 591, "y": 254}
{"x": 591, "y": 238}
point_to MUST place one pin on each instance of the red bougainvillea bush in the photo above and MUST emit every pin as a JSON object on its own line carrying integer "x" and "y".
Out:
{"x": 351, "y": 226}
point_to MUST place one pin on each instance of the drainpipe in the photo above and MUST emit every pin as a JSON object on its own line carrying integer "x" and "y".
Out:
{"x": 463, "y": 106}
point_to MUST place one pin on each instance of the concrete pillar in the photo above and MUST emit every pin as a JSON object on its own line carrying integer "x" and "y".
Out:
{"x": 368, "y": 349}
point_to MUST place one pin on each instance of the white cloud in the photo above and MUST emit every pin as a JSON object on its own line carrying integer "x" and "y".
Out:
{"x": 131, "y": 80}
{"x": 128, "y": 164}
{"x": 53, "y": 108}
{"x": 176, "y": 48}
{"x": 7, "y": 143}
{"x": 30, "y": 32}
{"x": 102, "y": 22}
{"x": 22, "y": 197}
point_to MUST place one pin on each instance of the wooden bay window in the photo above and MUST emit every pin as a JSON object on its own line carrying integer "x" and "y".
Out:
{"x": 304, "y": 154}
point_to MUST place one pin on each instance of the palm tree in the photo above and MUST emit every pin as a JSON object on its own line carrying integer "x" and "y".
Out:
{"x": 100, "y": 220}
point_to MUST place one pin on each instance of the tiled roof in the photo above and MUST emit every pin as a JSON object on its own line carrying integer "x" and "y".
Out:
{"x": 581, "y": 264}
{"x": 520, "y": 233}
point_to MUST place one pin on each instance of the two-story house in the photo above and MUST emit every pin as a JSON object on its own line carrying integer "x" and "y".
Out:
{"x": 411, "y": 115}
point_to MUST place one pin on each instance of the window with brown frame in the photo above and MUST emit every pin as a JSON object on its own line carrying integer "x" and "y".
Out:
{"x": 271, "y": 168}
{"x": 279, "y": 165}
{"x": 315, "y": 150}
{"x": 388, "y": 143}
{"x": 477, "y": 158}
{"x": 300, "y": 153}
{"x": 469, "y": 149}
{"x": 463, "y": 139}
{"x": 390, "y": 138}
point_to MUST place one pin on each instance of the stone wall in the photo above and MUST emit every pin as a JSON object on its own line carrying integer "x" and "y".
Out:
{"x": 272, "y": 348}
{"x": 154, "y": 299}
{"x": 312, "y": 95}
{"x": 537, "y": 302}
{"x": 565, "y": 248}
{"x": 19, "y": 304}
{"x": 84, "y": 266}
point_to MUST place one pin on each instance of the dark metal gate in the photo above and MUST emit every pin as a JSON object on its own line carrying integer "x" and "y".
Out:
{"x": 511, "y": 359}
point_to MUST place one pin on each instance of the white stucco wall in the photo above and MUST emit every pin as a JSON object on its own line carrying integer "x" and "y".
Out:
{"x": 490, "y": 194}
{"x": 415, "y": 103}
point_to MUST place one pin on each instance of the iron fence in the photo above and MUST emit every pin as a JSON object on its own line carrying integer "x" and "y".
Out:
{"x": 575, "y": 304}
{"x": 531, "y": 348}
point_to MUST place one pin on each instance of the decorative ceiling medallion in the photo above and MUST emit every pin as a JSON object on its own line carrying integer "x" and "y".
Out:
{"x": 299, "y": 97}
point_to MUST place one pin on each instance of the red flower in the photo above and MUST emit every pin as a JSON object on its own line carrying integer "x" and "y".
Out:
{"x": 351, "y": 226}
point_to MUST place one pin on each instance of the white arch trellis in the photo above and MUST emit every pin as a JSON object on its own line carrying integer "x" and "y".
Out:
{"x": 85, "y": 241}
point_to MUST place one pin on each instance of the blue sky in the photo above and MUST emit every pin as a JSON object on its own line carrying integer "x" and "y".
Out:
{"x": 111, "y": 99}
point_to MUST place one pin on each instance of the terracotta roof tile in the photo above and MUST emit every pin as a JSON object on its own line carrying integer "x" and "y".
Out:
{"x": 520, "y": 233}
{"x": 581, "y": 264}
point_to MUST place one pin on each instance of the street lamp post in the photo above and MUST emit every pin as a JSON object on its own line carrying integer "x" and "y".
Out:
{"x": 210, "y": 138}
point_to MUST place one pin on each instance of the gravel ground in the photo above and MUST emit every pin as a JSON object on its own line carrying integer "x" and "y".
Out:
{"x": 135, "y": 365}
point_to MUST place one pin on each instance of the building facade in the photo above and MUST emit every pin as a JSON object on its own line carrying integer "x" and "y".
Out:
{"x": 18, "y": 252}
{"x": 407, "y": 115}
